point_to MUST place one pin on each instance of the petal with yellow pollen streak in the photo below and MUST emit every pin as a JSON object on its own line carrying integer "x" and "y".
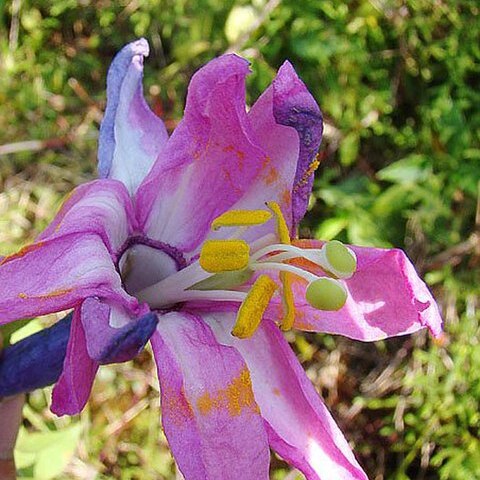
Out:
{"x": 235, "y": 397}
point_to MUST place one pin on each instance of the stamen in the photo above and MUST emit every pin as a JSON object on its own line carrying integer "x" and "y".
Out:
{"x": 223, "y": 271}
{"x": 165, "y": 299}
{"x": 285, "y": 268}
{"x": 241, "y": 218}
{"x": 182, "y": 280}
{"x": 326, "y": 294}
{"x": 288, "y": 302}
{"x": 338, "y": 259}
{"x": 334, "y": 257}
{"x": 253, "y": 307}
{"x": 291, "y": 252}
{"x": 282, "y": 229}
{"x": 285, "y": 277}
{"x": 224, "y": 255}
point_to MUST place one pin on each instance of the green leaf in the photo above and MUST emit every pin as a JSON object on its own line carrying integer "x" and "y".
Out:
{"x": 349, "y": 147}
{"x": 329, "y": 229}
{"x": 10, "y": 328}
{"x": 28, "y": 328}
{"x": 48, "y": 452}
{"x": 411, "y": 169}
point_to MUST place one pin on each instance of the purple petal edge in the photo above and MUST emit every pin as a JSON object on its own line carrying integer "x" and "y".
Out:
{"x": 107, "y": 344}
{"x": 294, "y": 106}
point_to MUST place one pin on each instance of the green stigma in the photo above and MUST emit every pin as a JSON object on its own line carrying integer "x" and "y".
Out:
{"x": 224, "y": 280}
{"x": 340, "y": 258}
{"x": 326, "y": 294}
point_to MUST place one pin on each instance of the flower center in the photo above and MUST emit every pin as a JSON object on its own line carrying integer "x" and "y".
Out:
{"x": 144, "y": 262}
{"x": 251, "y": 274}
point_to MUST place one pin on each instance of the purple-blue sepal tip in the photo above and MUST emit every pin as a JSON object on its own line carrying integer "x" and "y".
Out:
{"x": 37, "y": 361}
{"x": 129, "y": 341}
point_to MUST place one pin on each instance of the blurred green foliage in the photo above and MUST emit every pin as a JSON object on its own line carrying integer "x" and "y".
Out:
{"x": 397, "y": 81}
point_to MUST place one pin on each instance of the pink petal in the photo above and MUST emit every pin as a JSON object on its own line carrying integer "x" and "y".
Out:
{"x": 288, "y": 125}
{"x": 131, "y": 135}
{"x": 386, "y": 298}
{"x": 103, "y": 207}
{"x": 209, "y": 413}
{"x": 72, "y": 390}
{"x": 300, "y": 428}
{"x": 209, "y": 162}
{"x": 54, "y": 275}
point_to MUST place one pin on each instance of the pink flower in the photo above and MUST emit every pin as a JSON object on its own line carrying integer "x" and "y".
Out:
{"x": 190, "y": 237}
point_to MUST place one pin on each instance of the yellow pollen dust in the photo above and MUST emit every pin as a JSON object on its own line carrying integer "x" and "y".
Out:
{"x": 60, "y": 292}
{"x": 253, "y": 307}
{"x": 235, "y": 398}
{"x": 224, "y": 255}
{"x": 285, "y": 277}
{"x": 241, "y": 218}
{"x": 310, "y": 171}
{"x": 46, "y": 296}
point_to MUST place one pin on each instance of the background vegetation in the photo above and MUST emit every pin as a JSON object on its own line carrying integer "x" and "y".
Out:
{"x": 398, "y": 83}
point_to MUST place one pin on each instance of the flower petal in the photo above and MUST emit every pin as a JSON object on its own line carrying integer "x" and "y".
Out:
{"x": 111, "y": 334}
{"x": 72, "y": 390}
{"x": 131, "y": 135}
{"x": 209, "y": 162}
{"x": 294, "y": 106}
{"x": 103, "y": 207}
{"x": 209, "y": 414}
{"x": 54, "y": 275}
{"x": 386, "y": 298}
{"x": 288, "y": 125}
{"x": 299, "y": 426}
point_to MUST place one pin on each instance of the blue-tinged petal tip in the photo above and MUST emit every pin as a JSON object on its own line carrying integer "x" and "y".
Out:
{"x": 36, "y": 361}
{"x": 116, "y": 73}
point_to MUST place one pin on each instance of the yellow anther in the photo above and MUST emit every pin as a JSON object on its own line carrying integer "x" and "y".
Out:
{"x": 253, "y": 307}
{"x": 241, "y": 218}
{"x": 224, "y": 255}
{"x": 285, "y": 277}
{"x": 282, "y": 229}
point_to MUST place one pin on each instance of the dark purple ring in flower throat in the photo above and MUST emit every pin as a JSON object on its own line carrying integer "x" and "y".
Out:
{"x": 171, "y": 251}
{"x": 142, "y": 262}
